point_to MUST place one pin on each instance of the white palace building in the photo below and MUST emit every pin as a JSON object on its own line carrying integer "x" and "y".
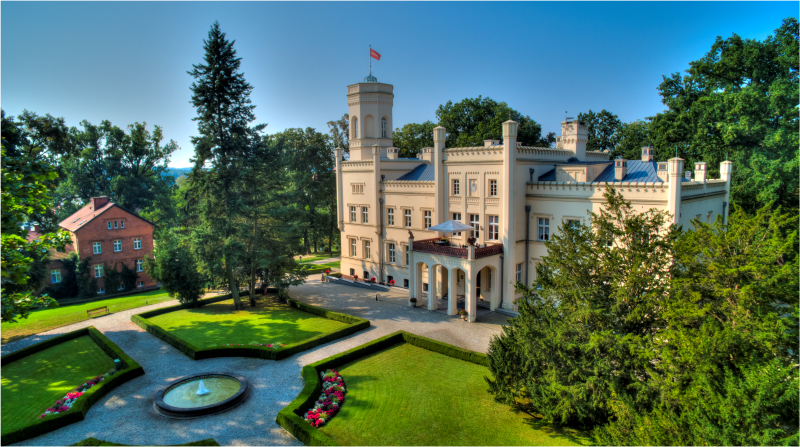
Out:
{"x": 513, "y": 195}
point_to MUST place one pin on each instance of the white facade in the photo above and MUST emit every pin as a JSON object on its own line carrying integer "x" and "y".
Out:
{"x": 515, "y": 195}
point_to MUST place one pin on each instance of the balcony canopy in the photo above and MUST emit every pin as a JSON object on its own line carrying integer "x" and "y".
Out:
{"x": 451, "y": 226}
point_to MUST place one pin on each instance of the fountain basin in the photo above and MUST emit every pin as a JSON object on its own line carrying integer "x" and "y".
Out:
{"x": 180, "y": 399}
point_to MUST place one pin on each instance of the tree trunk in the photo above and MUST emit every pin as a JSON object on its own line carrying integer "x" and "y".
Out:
{"x": 237, "y": 303}
{"x": 253, "y": 258}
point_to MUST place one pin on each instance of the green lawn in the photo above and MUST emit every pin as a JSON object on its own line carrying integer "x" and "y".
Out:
{"x": 270, "y": 322}
{"x": 319, "y": 257}
{"x": 34, "y": 383}
{"x": 46, "y": 319}
{"x": 406, "y": 395}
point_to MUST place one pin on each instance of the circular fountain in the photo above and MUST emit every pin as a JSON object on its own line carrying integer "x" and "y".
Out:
{"x": 201, "y": 395}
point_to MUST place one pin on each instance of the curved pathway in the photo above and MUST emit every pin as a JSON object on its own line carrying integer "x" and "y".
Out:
{"x": 126, "y": 414}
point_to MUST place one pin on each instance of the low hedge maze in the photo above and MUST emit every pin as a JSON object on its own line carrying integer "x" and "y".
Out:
{"x": 130, "y": 370}
{"x": 354, "y": 324}
{"x": 290, "y": 417}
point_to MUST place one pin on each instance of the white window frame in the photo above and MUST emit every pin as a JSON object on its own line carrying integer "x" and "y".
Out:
{"x": 353, "y": 214}
{"x": 492, "y": 187}
{"x": 390, "y": 217}
{"x": 116, "y": 224}
{"x": 519, "y": 272}
{"x": 457, "y": 217}
{"x": 55, "y": 276}
{"x": 367, "y": 248}
{"x": 140, "y": 284}
{"x": 391, "y": 251}
{"x": 407, "y": 218}
{"x": 364, "y": 214}
{"x": 140, "y": 265}
{"x": 121, "y": 286}
{"x": 109, "y": 224}
{"x": 97, "y": 248}
{"x": 122, "y": 224}
{"x": 543, "y": 228}
{"x": 98, "y": 270}
{"x": 494, "y": 228}
{"x": 118, "y": 243}
{"x": 428, "y": 219}
{"x": 456, "y": 187}
{"x": 137, "y": 243}
{"x": 475, "y": 221}
{"x": 353, "y": 247}
{"x": 101, "y": 290}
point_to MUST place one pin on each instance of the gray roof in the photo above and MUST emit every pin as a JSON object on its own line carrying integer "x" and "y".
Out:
{"x": 423, "y": 172}
{"x": 638, "y": 171}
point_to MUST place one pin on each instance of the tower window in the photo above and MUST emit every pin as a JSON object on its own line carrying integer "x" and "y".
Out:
{"x": 355, "y": 127}
{"x": 383, "y": 127}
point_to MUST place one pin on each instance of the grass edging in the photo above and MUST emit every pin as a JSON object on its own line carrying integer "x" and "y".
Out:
{"x": 291, "y": 416}
{"x": 130, "y": 370}
{"x": 354, "y": 324}
{"x": 95, "y": 441}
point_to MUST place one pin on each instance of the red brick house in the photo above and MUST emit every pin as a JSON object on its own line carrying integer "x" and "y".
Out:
{"x": 109, "y": 234}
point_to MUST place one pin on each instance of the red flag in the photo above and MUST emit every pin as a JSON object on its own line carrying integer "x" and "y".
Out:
{"x": 374, "y": 54}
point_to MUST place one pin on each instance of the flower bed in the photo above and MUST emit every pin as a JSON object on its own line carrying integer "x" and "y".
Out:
{"x": 68, "y": 401}
{"x": 329, "y": 401}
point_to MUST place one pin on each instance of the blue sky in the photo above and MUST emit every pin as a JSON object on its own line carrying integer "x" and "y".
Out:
{"x": 127, "y": 62}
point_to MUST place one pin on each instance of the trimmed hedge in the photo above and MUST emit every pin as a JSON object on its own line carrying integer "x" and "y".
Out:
{"x": 130, "y": 370}
{"x": 291, "y": 416}
{"x": 98, "y": 442}
{"x": 354, "y": 324}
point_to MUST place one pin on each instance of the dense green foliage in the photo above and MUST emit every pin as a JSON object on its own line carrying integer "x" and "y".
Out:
{"x": 631, "y": 338}
{"x": 603, "y": 128}
{"x": 173, "y": 265}
{"x": 412, "y": 137}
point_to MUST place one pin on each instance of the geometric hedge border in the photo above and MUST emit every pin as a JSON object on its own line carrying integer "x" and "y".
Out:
{"x": 290, "y": 417}
{"x": 130, "y": 370}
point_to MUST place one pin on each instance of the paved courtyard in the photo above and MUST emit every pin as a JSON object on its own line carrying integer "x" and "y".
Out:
{"x": 126, "y": 414}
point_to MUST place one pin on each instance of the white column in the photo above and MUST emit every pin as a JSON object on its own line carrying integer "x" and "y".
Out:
{"x": 471, "y": 302}
{"x": 674, "y": 176}
{"x": 339, "y": 191}
{"x": 507, "y": 234}
{"x": 441, "y": 189}
{"x": 452, "y": 293}
{"x": 726, "y": 173}
{"x": 433, "y": 304}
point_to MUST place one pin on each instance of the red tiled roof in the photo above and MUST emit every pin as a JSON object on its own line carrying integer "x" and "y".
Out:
{"x": 52, "y": 253}
{"x": 84, "y": 216}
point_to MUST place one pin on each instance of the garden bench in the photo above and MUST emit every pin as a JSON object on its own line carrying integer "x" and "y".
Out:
{"x": 91, "y": 312}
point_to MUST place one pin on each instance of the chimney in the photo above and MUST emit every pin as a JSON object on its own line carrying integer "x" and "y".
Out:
{"x": 99, "y": 202}
{"x": 647, "y": 153}
{"x": 700, "y": 172}
{"x": 392, "y": 153}
{"x": 620, "y": 169}
{"x": 662, "y": 171}
{"x": 426, "y": 153}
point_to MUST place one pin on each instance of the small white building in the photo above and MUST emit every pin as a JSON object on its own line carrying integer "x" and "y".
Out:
{"x": 514, "y": 196}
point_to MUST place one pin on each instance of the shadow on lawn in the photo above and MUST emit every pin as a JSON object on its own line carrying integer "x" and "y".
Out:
{"x": 574, "y": 436}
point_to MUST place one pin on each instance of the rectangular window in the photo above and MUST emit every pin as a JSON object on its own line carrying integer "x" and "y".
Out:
{"x": 364, "y": 215}
{"x": 121, "y": 286}
{"x": 352, "y": 214}
{"x": 366, "y": 275}
{"x": 137, "y": 244}
{"x": 122, "y": 224}
{"x": 405, "y": 283}
{"x": 352, "y": 248}
{"x": 474, "y": 220}
{"x": 427, "y": 219}
{"x": 358, "y": 189}
{"x": 115, "y": 224}
{"x": 109, "y": 224}
{"x": 390, "y": 217}
{"x": 457, "y": 217}
{"x": 141, "y": 283}
{"x": 352, "y": 272}
{"x": 424, "y": 287}
{"x": 96, "y": 249}
{"x": 391, "y": 254}
{"x": 366, "y": 249}
{"x": 406, "y": 256}
{"x": 544, "y": 229}
{"x": 456, "y": 189}
{"x": 494, "y": 227}
{"x": 117, "y": 245}
{"x": 492, "y": 187}
{"x": 407, "y": 215}
{"x": 140, "y": 265}
{"x": 55, "y": 276}
{"x": 519, "y": 272}
{"x": 101, "y": 290}
{"x": 98, "y": 270}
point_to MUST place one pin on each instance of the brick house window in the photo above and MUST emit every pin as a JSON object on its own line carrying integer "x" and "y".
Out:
{"x": 364, "y": 215}
{"x": 427, "y": 219}
{"x": 390, "y": 217}
{"x": 98, "y": 270}
{"x": 366, "y": 250}
{"x": 137, "y": 244}
{"x": 353, "y": 248}
{"x": 96, "y": 249}
{"x": 544, "y": 229}
{"x": 391, "y": 253}
{"x": 109, "y": 224}
{"x": 494, "y": 227}
{"x": 117, "y": 245}
{"x": 141, "y": 283}
{"x": 492, "y": 187}
{"x": 352, "y": 214}
{"x": 101, "y": 290}
{"x": 116, "y": 224}
{"x": 407, "y": 215}
{"x": 121, "y": 286}
{"x": 55, "y": 276}
{"x": 122, "y": 224}
{"x": 456, "y": 188}
{"x": 140, "y": 265}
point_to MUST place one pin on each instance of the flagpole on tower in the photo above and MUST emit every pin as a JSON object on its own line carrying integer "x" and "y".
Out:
{"x": 370, "y": 60}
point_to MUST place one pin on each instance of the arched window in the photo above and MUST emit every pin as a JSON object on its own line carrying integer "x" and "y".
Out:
{"x": 355, "y": 127}
{"x": 383, "y": 127}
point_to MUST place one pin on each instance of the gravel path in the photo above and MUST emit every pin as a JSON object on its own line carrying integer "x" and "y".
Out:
{"x": 126, "y": 414}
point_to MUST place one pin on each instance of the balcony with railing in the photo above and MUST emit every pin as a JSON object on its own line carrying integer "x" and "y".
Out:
{"x": 439, "y": 246}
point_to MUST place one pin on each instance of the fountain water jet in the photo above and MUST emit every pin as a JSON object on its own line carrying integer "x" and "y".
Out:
{"x": 202, "y": 390}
